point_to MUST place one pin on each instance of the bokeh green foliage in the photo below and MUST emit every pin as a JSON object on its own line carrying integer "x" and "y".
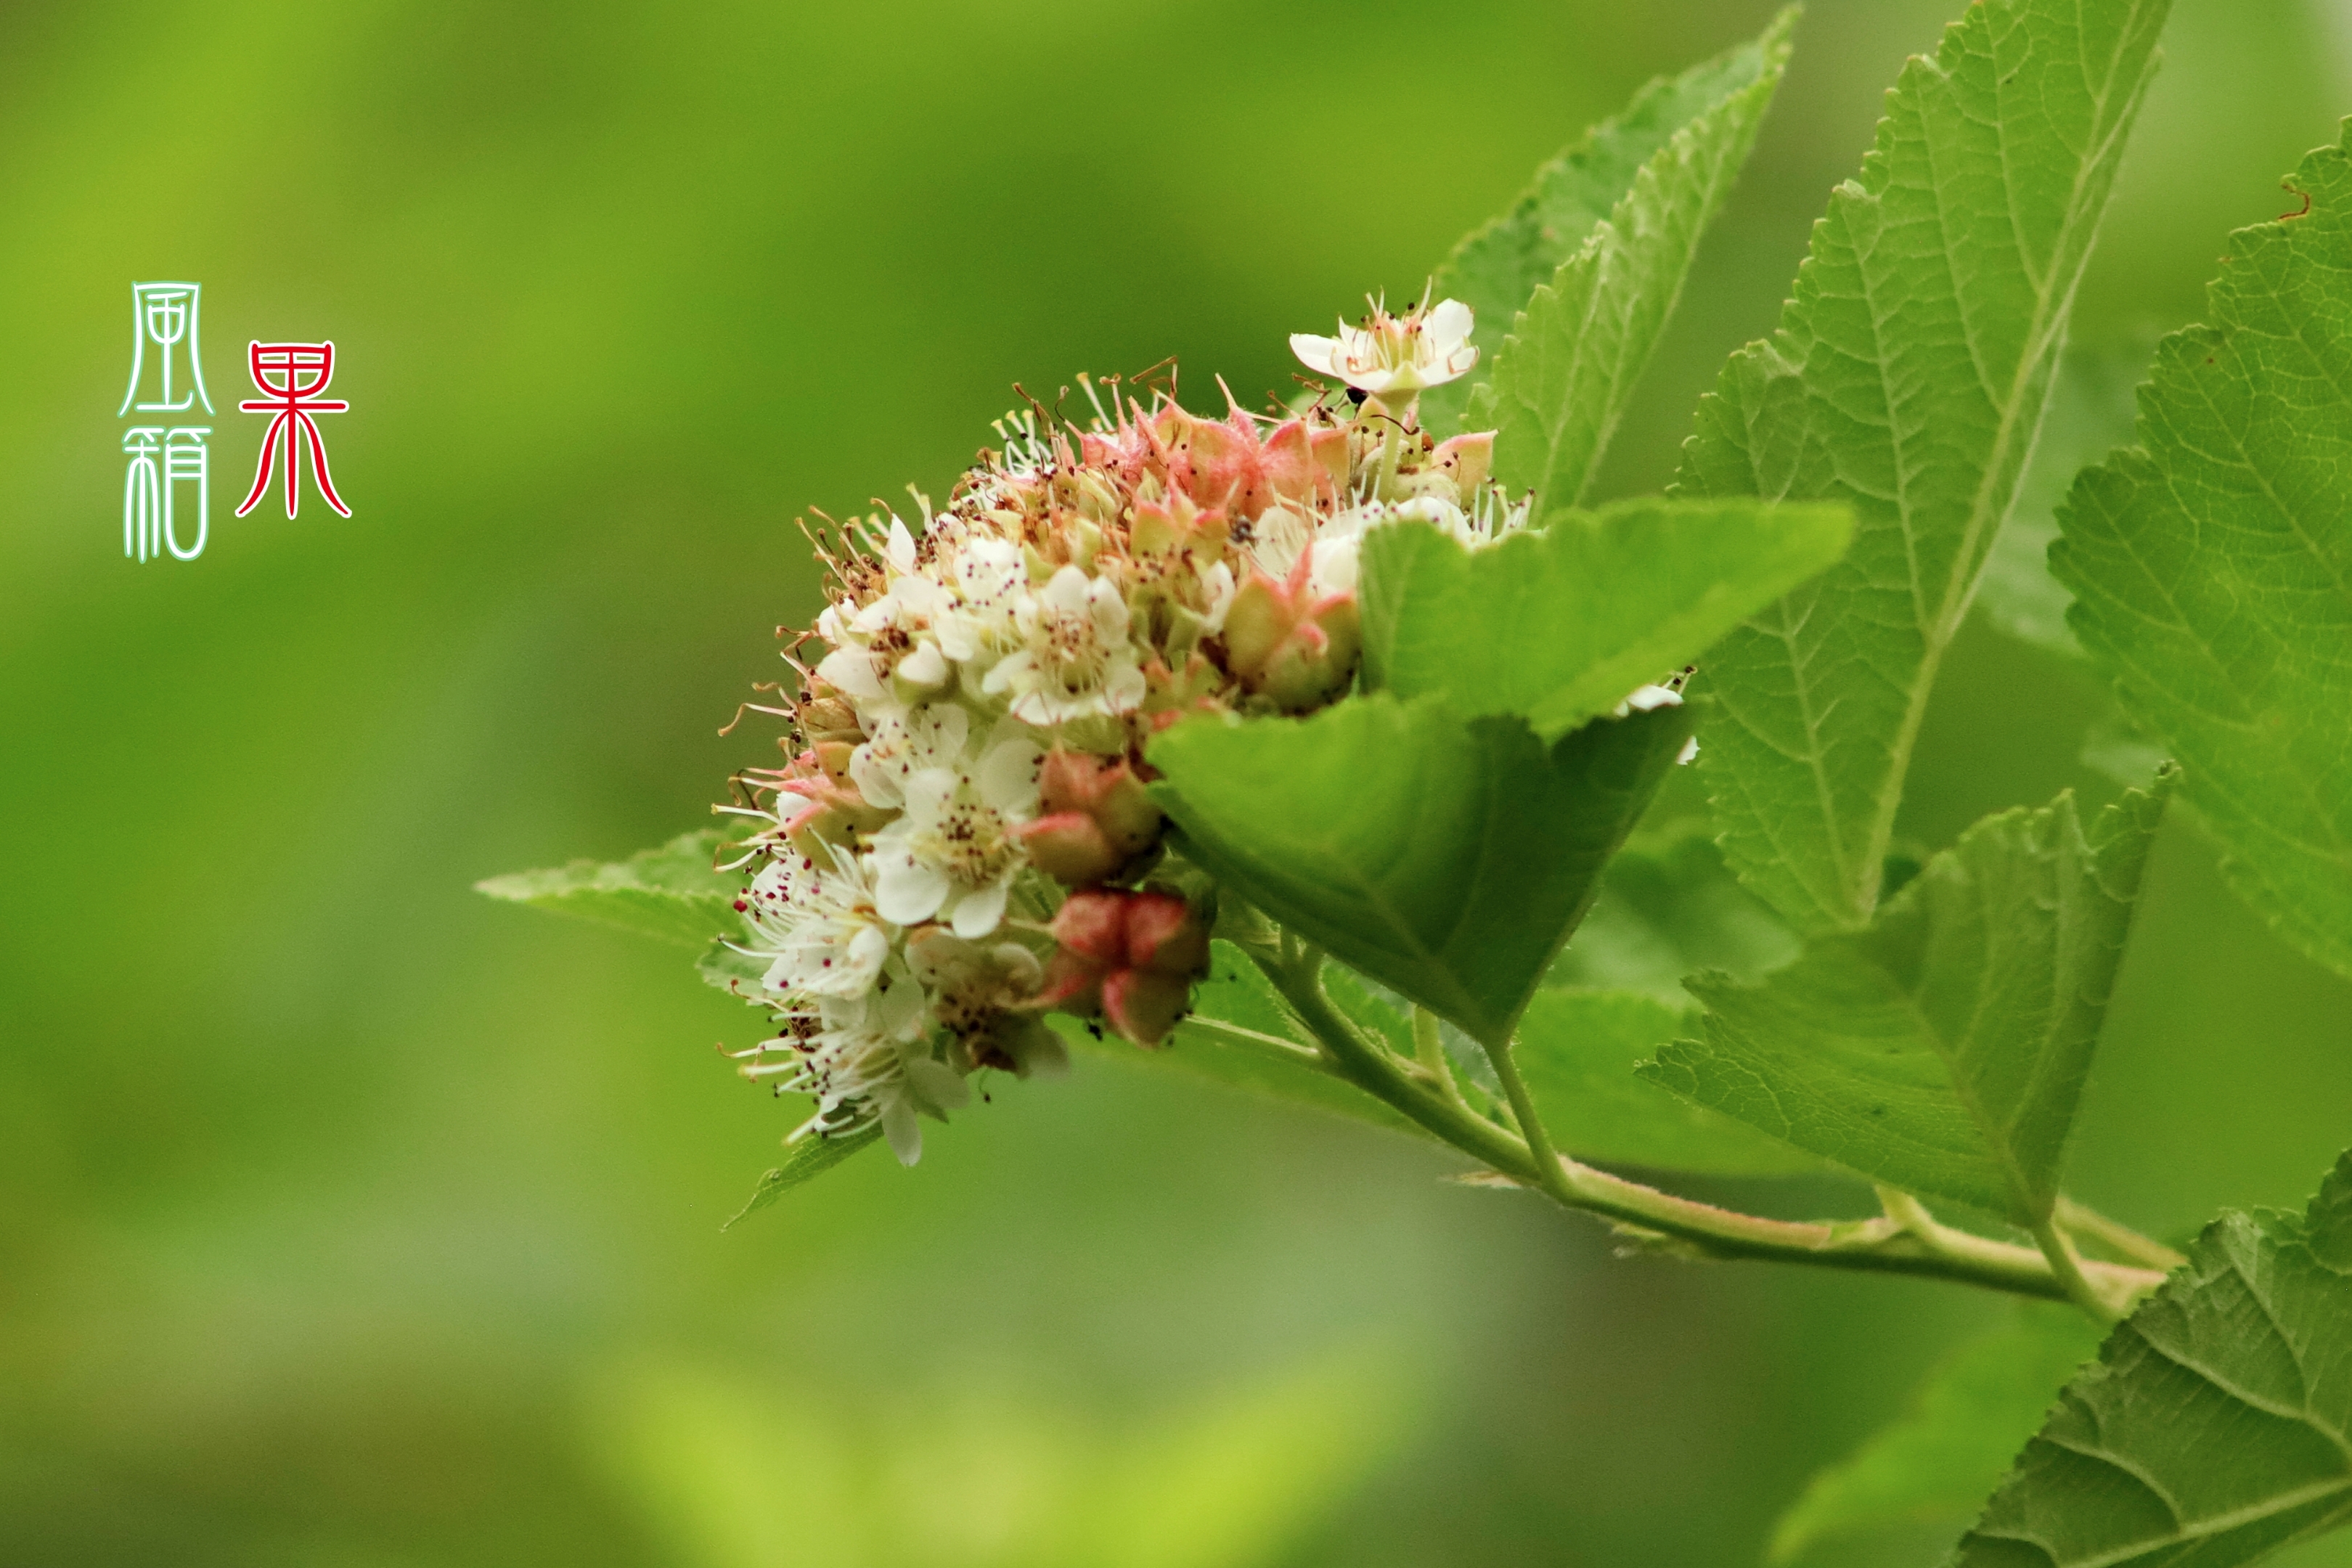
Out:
{"x": 343, "y": 1214}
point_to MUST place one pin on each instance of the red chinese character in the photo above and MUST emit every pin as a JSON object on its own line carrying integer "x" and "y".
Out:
{"x": 293, "y": 400}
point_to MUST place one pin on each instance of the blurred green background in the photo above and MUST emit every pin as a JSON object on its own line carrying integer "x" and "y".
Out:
{"x": 347, "y": 1218}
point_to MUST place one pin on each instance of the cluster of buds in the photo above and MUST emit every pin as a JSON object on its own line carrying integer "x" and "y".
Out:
{"x": 962, "y": 839}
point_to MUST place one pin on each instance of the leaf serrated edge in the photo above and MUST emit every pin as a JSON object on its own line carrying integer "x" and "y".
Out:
{"x": 804, "y": 1161}
{"x": 1775, "y": 48}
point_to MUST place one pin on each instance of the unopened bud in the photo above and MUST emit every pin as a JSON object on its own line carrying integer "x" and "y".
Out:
{"x": 1129, "y": 958}
{"x": 1168, "y": 695}
{"x": 1467, "y": 460}
{"x": 833, "y": 759}
{"x": 1256, "y": 623}
{"x": 1318, "y": 662}
{"x": 1098, "y": 818}
{"x": 824, "y": 719}
{"x": 1071, "y": 848}
{"x": 1297, "y": 648}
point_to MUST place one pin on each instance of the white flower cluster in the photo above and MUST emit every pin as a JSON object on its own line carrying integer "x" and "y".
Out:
{"x": 969, "y": 746}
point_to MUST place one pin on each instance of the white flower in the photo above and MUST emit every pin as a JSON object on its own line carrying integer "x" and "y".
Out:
{"x": 893, "y": 636}
{"x": 899, "y": 549}
{"x": 902, "y": 742}
{"x": 863, "y": 1059}
{"x": 1332, "y": 567}
{"x": 851, "y": 670}
{"x": 982, "y": 995}
{"x": 819, "y": 924}
{"x": 1488, "y": 519}
{"x": 1395, "y": 355}
{"x": 951, "y": 855}
{"x": 989, "y": 577}
{"x": 1279, "y": 535}
{"x": 1075, "y": 659}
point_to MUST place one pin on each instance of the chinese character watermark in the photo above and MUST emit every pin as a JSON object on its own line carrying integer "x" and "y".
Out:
{"x": 164, "y": 316}
{"x": 151, "y": 495}
{"x": 167, "y": 377}
{"x": 302, "y": 372}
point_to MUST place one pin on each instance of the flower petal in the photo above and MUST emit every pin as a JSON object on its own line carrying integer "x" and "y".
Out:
{"x": 900, "y": 550}
{"x": 851, "y": 670}
{"x": 900, "y": 1127}
{"x": 1007, "y": 776}
{"x": 936, "y": 1085}
{"x": 1314, "y": 352}
{"x": 906, "y": 892}
{"x": 980, "y": 911}
{"x": 927, "y": 666}
{"x": 1448, "y": 326}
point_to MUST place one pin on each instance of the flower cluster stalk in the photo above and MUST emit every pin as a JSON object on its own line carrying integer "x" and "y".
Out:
{"x": 1906, "y": 1240}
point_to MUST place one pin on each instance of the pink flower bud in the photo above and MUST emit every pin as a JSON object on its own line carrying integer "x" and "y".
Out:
{"x": 1143, "y": 1006}
{"x": 1466, "y": 459}
{"x": 1092, "y": 927}
{"x": 1163, "y": 938}
{"x": 1071, "y": 848}
{"x": 1285, "y": 644}
{"x": 1131, "y": 958}
{"x": 1168, "y": 695}
{"x": 1098, "y": 818}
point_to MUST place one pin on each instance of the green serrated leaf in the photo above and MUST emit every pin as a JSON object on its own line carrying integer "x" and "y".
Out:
{"x": 1958, "y": 1437}
{"x": 1908, "y": 376}
{"x": 1668, "y": 908}
{"x": 2216, "y": 1426}
{"x": 1561, "y": 380}
{"x": 2213, "y": 569}
{"x": 1496, "y": 267}
{"x": 2089, "y": 415}
{"x": 1559, "y": 623}
{"x": 1446, "y": 860}
{"x": 1577, "y": 1050}
{"x": 1943, "y": 1050}
{"x": 672, "y": 893}
{"x": 804, "y": 1161}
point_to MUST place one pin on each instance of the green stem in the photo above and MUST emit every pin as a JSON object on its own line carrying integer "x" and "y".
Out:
{"x": 2118, "y": 1239}
{"x": 1906, "y": 1210}
{"x": 1551, "y": 1170}
{"x": 1265, "y": 1045}
{"x": 1384, "y": 485}
{"x": 1296, "y": 975}
{"x": 1914, "y": 1245}
{"x": 2065, "y": 1263}
{"x": 1429, "y": 1051}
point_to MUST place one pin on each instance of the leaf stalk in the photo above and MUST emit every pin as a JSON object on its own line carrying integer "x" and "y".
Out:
{"x": 1913, "y": 1244}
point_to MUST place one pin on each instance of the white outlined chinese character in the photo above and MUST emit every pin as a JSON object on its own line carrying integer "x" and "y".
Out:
{"x": 164, "y": 314}
{"x": 186, "y": 460}
{"x": 143, "y": 497}
{"x": 151, "y": 495}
